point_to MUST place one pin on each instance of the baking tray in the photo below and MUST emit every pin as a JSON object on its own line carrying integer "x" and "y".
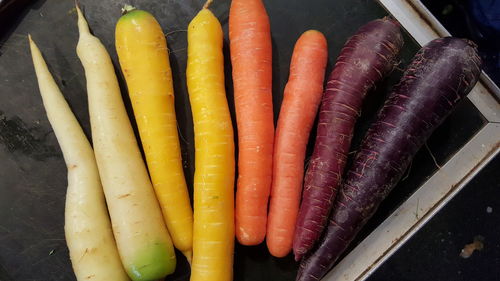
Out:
{"x": 33, "y": 173}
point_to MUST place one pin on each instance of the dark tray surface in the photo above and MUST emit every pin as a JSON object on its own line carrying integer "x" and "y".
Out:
{"x": 433, "y": 253}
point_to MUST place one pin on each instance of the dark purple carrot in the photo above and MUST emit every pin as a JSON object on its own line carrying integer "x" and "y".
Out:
{"x": 365, "y": 59}
{"x": 440, "y": 75}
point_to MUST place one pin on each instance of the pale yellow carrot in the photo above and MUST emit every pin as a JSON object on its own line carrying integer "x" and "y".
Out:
{"x": 142, "y": 238}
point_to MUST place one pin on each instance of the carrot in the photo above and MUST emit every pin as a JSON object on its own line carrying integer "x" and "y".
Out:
{"x": 440, "y": 75}
{"x": 213, "y": 229}
{"x": 365, "y": 59}
{"x": 251, "y": 57}
{"x": 144, "y": 244}
{"x": 142, "y": 51}
{"x": 86, "y": 221}
{"x": 300, "y": 104}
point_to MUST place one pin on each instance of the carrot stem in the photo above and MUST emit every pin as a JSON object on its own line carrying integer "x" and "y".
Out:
{"x": 127, "y": 9}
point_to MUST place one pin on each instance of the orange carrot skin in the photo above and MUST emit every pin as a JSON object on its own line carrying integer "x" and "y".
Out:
{"x": 300, "y": 104}
{"x": 251, "y": 57}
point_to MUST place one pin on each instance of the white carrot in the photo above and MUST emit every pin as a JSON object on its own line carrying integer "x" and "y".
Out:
{"x": 91, "y": 245}
{"x": 142, "y": 238}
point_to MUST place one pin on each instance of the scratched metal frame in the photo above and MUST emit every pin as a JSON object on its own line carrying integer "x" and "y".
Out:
{"x": 438, "y": 190}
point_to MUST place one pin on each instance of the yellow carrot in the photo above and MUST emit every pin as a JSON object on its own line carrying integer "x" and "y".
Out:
{"x": 213, "y": 240}
{"x": 142, "y": 51}
{"x": 142, "y": 238}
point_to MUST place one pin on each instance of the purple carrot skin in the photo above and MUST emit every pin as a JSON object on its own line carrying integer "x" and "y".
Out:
{"x": 440, "y": 75}
{"x": 366, "y": 58}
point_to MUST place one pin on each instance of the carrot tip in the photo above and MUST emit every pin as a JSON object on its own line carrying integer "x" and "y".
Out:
{"x": 298, "y": 253}
{"x": 394, "y": 21}
{"x": 78, "y": 10}
{"x": 207, "y": 4}
{"x": 312, "y": 31}
{"x": 189, "y": 256}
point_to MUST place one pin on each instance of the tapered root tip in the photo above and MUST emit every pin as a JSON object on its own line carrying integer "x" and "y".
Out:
{"x": 83, "y": 26}
{"x": 32, "y": 43}
{"x": 77, "y": 6}
{"x": 207, "y": 4}
{"x": 297, "y": 256}
{"x": 188, "y": 255}
{"x": 78, "y": 11}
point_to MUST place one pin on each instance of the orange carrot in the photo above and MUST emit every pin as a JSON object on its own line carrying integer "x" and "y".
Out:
{"x": 300, "y": 104}
{"x": 251, "y": 57}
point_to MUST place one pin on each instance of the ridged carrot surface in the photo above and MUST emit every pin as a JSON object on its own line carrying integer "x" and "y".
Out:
{"x": 366, "y": 58}
{"x": 144, "y": 245}
{"x": 86, "y": 220}
{"x": 143, "y": 54}
{"x": 300, "y": 104}
{"x": 213, "y": 240}
{"x": 251, "y": 57}
{"x": 440, "y": 75}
